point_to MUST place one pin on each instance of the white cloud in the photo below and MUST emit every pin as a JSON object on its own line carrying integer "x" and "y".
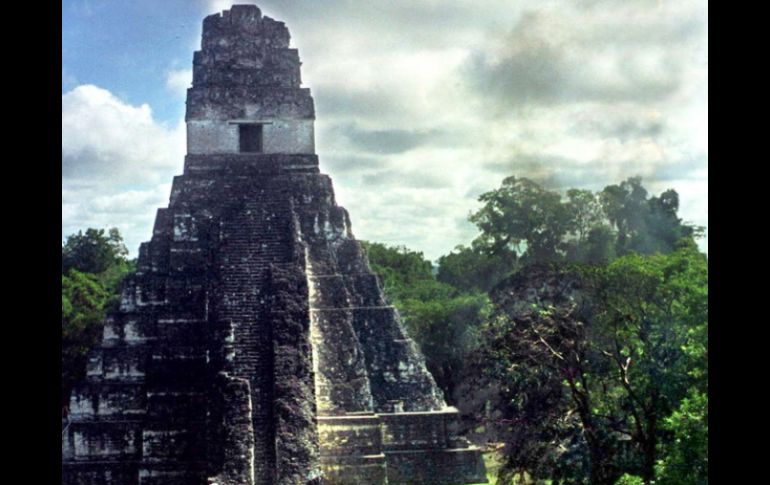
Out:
{"x": 580, "y": 94}
{"x": 117, "y": 163}
{"x": 178, "y": 80}
{"x": 214, "y": 6}
{"x": 131, "y": 211}
{"x": 571, "y": 93}
{"x": 106, "y": 138}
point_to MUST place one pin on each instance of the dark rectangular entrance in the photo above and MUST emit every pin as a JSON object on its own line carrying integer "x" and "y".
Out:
{"x": 250, "y": 138}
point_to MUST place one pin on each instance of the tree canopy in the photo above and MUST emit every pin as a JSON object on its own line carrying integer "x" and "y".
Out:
{"x": 93, "y": 251}
{"x": 83, "y": 302}
{"x": 598, "y": 362}
{"x": 644, "y": 225}
{"x": 93, "y": 266}
{"x": 573, "y": 329}
{"x": 523, "y": 223}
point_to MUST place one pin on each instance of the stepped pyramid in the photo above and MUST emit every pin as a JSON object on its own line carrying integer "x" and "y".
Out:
{"x": 254, "y": 345}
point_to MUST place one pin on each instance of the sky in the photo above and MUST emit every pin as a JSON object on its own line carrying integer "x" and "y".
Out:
{"x": 421, "y": 105}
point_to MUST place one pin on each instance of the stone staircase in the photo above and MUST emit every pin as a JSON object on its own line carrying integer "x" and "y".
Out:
{"x": 253, "y": 237}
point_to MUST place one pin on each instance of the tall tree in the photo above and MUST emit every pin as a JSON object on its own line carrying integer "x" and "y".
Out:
{"x": 590, "y": 237}
{"x": 523, "y": 223}
{"x": 521, "y": 219}
{"x": 93, "y": 251}
{"x": 650, "y": 310}
{"x": 471, "y": 269}
{"x": 83, "y": 301}
{"x": 538, "y": 347}
{"x": 595, "y": 360}
{"x": 93, "y": 265}
{"x": 644, "y": 225}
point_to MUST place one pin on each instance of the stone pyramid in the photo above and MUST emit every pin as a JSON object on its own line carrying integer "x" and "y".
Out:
{"x": 254, "y": 345}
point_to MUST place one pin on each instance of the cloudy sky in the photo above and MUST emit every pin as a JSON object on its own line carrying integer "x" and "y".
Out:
{"x": 421, "y": 105}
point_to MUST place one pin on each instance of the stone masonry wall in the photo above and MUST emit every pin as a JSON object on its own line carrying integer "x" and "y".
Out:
{"x": 254, "y": 345}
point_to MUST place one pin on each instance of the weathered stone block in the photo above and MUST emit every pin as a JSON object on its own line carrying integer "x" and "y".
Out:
{"x": 117, "y": 473}
{"x": 254, "y": 345}
{"x": 109, "y": 441}
{"x": 435, "y": 467}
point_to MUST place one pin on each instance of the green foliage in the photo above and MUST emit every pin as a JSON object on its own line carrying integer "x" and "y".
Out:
{"x": 93, "y": 252}
{"x": 685, "y": 458}
{"x": 643, "y": 225}
{"x": 654, "y": 321}
{"x": 93, "y": 267}
{"x": 597, "y": 369}
{"x": 599, "y": 247}
{"x": 627, "y": 479}
{"x": 111, "y": 279}
{"x": 522, "y": 219}
{"x": 83, "y": 303}
{"x": 591, "y": 239}
{"x": 602, "y": 381}
{"x": 446, "y": 328}
{"x": 471, "y": 269}
{"x": 524, "y": 222}
{"x": 400, "y": 269}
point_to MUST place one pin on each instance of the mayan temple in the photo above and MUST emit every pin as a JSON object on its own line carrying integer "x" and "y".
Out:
{"x": 253, "y": 346}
